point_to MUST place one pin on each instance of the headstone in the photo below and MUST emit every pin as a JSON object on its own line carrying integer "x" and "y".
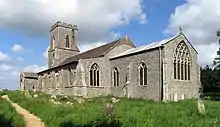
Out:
{"x": 53, "y": 96}
{"x": 27, "y": 94}
{"x": 80, "y": 100}
{"x": 175, "y": 97}
{"x": 182, "y": 96}
{"x": 200, "y": 107}
{"x": 69, "y": 103}
{"x": 35, "y": 95}
{"x": 52, "y": 100}
{"x": 108, "y": 109}
{"x": 115, "y": 100}
{"x": 57, "y": 103}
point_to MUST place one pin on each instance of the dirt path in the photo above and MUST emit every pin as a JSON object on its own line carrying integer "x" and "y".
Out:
{"x": 30, "y": 119}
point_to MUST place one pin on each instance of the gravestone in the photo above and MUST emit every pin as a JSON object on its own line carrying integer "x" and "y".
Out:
{"x": 200, "y": 107}
{"x": 175, "y": 97}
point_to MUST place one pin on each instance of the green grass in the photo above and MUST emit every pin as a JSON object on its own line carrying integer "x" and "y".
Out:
{"x": 8, "y": 115}
{"x": 129, "y": 113}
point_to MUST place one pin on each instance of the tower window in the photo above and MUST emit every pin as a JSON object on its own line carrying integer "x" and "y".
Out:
{"x": 67, "y": 41}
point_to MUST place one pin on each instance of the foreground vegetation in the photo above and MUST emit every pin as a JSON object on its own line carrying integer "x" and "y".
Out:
{"x": 8, "y": 115}
{"x": 126, "y": 113}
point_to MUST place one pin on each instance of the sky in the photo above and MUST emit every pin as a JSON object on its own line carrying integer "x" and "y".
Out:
{"x": 24, "y": 28}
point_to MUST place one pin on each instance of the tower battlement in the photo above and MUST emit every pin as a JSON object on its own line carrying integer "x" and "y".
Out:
{"x": 63, "y": 24}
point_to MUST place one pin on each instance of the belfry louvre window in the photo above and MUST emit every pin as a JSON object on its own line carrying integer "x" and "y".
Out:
{"x": 143, "y": 74}
{"x": 67, "y": 41}
{"x": 94, "y": 75}
{"x": 116, "y": 77}
{"x": 181, "y": 63}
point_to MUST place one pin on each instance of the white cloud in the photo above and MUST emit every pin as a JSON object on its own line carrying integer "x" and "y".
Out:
{"x": 5, "y": 67}
{"x": 9, "y": 75}
{"x": 4, "y": 57}
{"x": 206, "y": 57}
{"x": 20, "y": 59}
{"x": 95, "y": 18}
{"x": 17, "y": 48}
{"x": 200, "y": 21}
{"x": 33, "y": 68}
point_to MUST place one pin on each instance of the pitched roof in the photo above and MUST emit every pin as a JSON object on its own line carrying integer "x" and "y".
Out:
{"x": 145, "y": 47}
{"x": 94, "y": 53}
{"x": 30, "y": 74}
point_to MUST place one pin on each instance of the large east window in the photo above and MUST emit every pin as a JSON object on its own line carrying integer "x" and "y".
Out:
{"x": 181, "y": 63}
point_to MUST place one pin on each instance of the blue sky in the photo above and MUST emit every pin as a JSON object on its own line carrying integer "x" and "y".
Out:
{"x": 24, "y": 30}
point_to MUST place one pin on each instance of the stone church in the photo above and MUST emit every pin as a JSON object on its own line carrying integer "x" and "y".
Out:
{"x": 162, "y": 70}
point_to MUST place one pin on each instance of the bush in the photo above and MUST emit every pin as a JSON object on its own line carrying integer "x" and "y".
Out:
{"x": 212, "y": 96}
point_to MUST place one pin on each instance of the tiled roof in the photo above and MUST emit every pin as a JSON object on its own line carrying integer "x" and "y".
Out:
{"x": 30, "y": 74}
{"x": 93, "y": 53}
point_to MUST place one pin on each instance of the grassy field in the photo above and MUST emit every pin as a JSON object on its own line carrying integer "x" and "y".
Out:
{"x": 8, "y": 115}
{"x": 126, "y": 113}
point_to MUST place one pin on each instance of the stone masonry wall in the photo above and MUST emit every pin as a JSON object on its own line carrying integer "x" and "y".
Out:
{"x": 176, "y": 89}
{"x": 129, "y": 66}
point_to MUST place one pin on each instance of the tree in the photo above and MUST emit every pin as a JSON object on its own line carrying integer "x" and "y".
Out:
{"x": 208, "y": 80}
{"x": 217, "y": 59}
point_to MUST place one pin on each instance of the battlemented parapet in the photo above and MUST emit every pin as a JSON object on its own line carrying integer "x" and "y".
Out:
{"x": 62, "y": 24}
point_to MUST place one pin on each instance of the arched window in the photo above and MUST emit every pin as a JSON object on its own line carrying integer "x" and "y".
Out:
{"x": 116, "y": 77}
{"x": 188, "y": 71}
{"x": 174, "y": 69}
{"x": 57, "y": 79}
{"x": 178, "y": 69}
{"x": 94, "y": 75}
{"x": 181, "y": 62}
{"x": 67, "y": 41}
{"x": 70, "y": 76}
{"x": 143, "y": 74}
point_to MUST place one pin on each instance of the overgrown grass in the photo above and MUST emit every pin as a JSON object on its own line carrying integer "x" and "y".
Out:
{"x": 8, "y": 115}
{"x": 128, "y": 113}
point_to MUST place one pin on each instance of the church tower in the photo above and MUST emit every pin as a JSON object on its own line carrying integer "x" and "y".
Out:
{"x": 63, "y": 43}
